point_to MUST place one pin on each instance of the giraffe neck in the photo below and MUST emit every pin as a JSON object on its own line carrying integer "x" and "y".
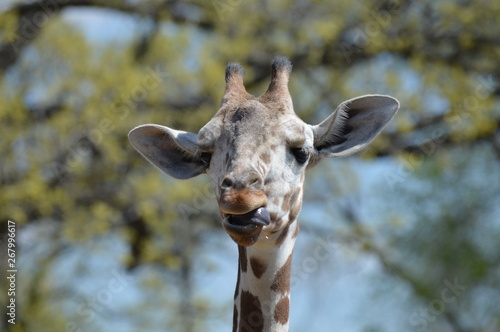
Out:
{"x": 262, "y": 296}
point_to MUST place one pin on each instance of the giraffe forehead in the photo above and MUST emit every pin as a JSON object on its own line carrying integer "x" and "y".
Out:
{"x": 264, "y": 128}
{"x": 245, "y": 118}
{"x": 253, "y": 122}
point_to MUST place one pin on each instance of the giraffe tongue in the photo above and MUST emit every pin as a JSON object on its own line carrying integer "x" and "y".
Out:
{"x": 258, "y": 216}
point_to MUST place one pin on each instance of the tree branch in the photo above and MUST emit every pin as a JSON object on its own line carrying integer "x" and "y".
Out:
{"x": 33, "y": 16}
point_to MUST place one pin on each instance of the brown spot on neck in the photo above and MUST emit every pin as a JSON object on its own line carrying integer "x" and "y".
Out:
{"x": 282, "y": 311}
{"x": 236, "y": 291}
{"x": 235, "y": 319}
{"x": 294, "y": 212}
{"x": 281, "y": 282}
{"x": 297, "y": 228}
{"x": 281, "y": 238}
{"x": 251, "y": 318}
{"x": 296, "y": 195}
{"x": 243, "y": 258}
{"x": 258, "y": 267}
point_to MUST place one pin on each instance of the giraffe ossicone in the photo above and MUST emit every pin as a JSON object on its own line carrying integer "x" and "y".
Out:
{"x": 256, "y": 151}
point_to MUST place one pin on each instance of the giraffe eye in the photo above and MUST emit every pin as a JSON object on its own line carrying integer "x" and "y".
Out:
{"x": 300, "y": 154}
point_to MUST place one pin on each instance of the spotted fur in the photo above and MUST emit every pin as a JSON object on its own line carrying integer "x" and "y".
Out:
{"x": 256, "y": 151}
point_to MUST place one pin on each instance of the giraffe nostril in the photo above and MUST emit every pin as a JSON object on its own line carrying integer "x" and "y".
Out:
{"x": 226, "y": 183}
{"x": 254, "y": 182}
{"x": 241, "y": 181}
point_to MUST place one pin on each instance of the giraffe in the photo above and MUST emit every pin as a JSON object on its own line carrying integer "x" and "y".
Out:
{"x": 256, "y": 151}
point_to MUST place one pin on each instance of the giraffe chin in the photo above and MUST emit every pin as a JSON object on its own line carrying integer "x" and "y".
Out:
{"x": 245, "y": 228}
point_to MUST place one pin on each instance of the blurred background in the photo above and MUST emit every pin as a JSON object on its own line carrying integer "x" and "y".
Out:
{"x": 402, "y": 237}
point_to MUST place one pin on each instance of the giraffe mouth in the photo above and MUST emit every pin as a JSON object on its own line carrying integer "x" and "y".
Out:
{"x": 245, "y": 228}
{"x": 254, "y": 218}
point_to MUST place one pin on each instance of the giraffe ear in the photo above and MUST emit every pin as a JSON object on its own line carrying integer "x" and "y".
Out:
{"x": 172, "y": 151}
{"x": 353, "y": 125}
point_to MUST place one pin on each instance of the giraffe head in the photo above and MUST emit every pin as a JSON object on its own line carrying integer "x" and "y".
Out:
{"x": 256, "y": 151}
